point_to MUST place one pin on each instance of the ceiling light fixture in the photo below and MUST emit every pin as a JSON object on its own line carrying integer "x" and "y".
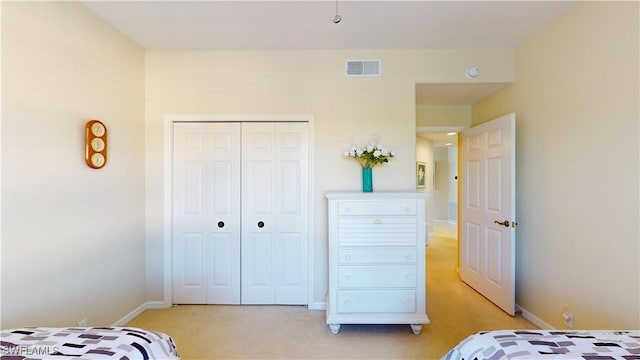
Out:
{"x": 451, "y": 133}
{"x": 337, "y": 18}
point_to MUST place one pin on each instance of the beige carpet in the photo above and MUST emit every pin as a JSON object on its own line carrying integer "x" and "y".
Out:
{"x": 294, "y": 332}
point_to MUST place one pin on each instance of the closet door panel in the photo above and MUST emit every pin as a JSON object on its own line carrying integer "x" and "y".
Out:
{"x": 260, "y": 264}
{"x": 292, "y": 209}
{"x": 258, "y": 183}
{"x": 257, "y": 213}
{"x": 206, "y": 195}
{"x": 188, "y": 278}
{"x": 275, "y": 207}
{"x": 189, "y": 285}
{"x": 292, "y": 268}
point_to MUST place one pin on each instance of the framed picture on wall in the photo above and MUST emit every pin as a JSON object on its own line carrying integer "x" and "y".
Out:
{"x": 421, "y": 172}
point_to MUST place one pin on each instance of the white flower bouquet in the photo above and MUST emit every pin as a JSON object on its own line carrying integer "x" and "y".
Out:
{"x": 371, "y": 155}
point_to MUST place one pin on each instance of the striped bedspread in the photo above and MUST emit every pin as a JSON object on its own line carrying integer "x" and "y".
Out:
{"x": 547, "y": 345}
{"x": 85, "y": 343}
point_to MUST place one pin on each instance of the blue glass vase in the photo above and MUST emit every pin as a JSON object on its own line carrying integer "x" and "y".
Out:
{"x": 367, "y": 180}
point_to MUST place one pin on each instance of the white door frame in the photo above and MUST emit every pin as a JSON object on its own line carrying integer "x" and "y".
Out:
{"x": 168, "y": 185}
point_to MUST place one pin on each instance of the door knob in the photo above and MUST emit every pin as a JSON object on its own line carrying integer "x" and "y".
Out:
{"x": 221, "y": 224}
{"x": 260, "y": 224}
{"x": 505, "y": 223}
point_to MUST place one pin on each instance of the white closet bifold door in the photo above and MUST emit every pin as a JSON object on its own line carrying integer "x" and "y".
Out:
{"x": 274, "y": 213}
{"x": 206, "y": 213}
{"x": 240, "y": 213}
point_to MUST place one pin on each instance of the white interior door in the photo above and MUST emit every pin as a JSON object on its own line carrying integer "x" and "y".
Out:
{"x": 274, "y": 213}
{"x": 206, "y": 213}
{"x": 487, "y": 189}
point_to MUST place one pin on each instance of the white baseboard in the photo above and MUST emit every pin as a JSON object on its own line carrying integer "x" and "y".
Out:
{"x": 321, "y": 306}
{"x": 139, "y": 310}
{"x": 534, "y": 319}
{"x": 318, "y": 306}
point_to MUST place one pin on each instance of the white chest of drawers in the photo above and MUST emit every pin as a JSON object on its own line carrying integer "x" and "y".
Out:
{"x": 376, "y": 259}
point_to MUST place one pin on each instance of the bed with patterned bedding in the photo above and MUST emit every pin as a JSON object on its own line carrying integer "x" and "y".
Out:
{"x": 547, "y": 345}
{"x": 86, "y": 343}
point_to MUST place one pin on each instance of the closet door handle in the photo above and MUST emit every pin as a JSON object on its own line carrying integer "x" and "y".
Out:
{"x": 260, "y": 224}
{"x": 220, "y": 224}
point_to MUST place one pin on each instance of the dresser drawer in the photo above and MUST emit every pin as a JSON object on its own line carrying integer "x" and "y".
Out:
{"x": 377, "y": 207}
{"x": 383, "y": 255}
{"x": 376, "y": 301}
{"x": 377, "y": 230}
{"x": 397, "y": 276}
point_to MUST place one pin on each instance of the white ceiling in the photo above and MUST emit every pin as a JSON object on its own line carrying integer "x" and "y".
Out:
{"x": 307, "y": 24}
{"x": 440, "y": 139}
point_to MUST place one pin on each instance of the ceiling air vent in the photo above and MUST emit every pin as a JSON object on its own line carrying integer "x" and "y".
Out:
{"x": 364, "y": 68}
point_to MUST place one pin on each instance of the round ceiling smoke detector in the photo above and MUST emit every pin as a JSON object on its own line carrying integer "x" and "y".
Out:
{"x": 473, "y": 72}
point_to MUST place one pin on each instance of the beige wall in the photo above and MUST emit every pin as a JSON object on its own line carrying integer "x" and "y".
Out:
{"x": 576, "y": 101}
{"x": 72, "y": 237}
{"x": 302, "y": 82}
{"x": 443, "y": 188}
{"x": 424, "y": 153}
{"x": 443, "y": 115}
